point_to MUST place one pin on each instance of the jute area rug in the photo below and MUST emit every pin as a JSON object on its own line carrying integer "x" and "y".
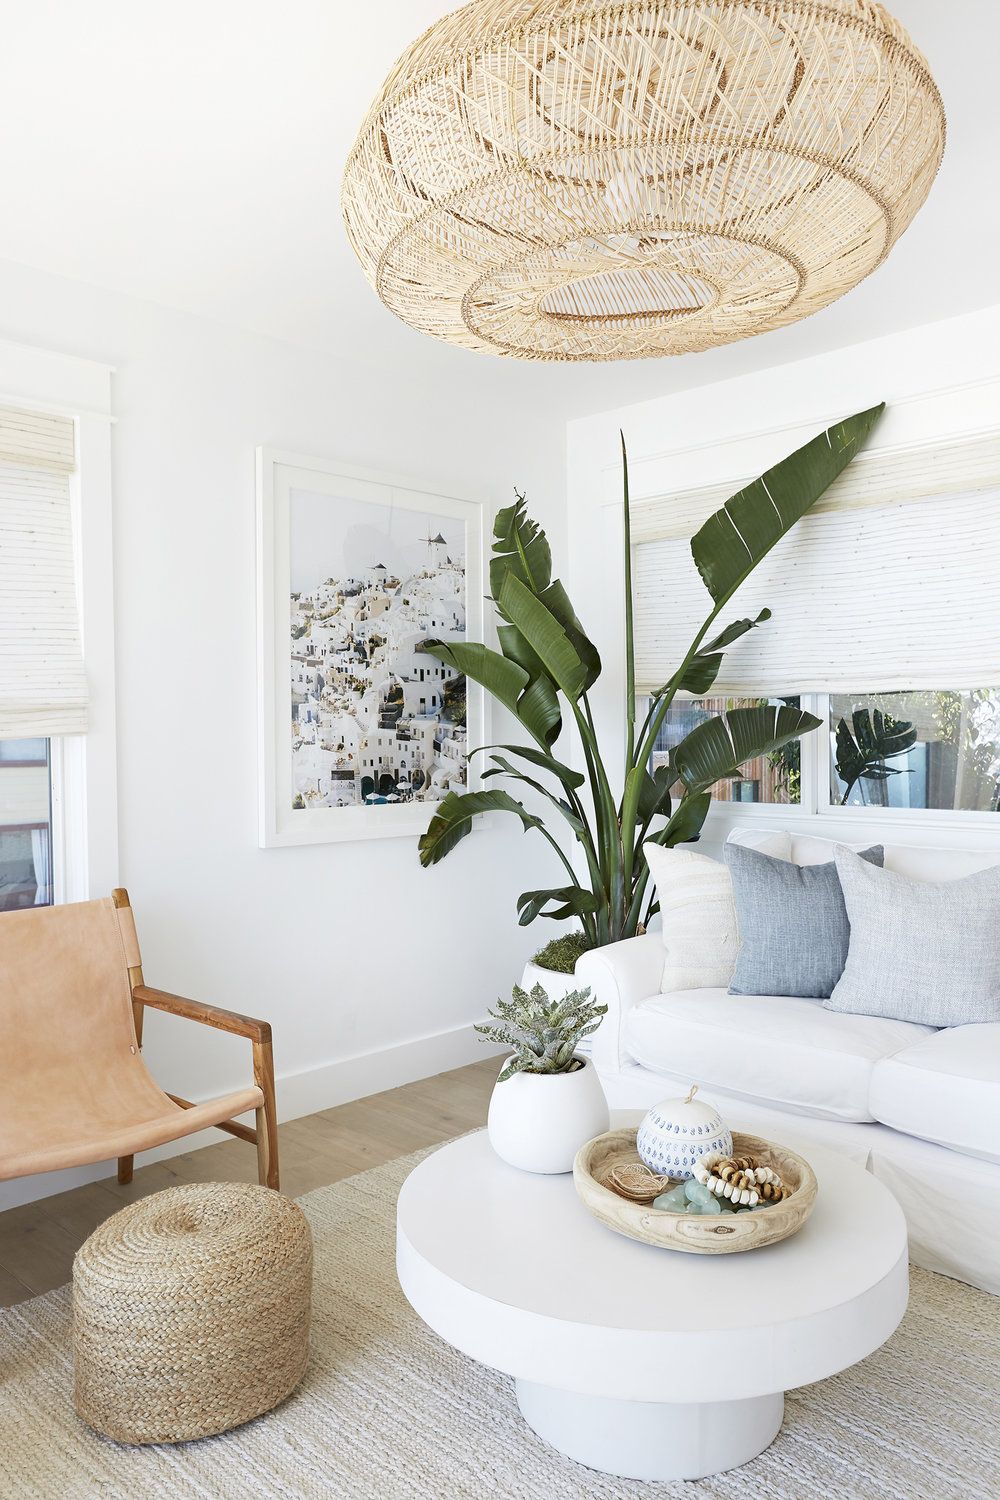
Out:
{"x": 388, "y": 1412}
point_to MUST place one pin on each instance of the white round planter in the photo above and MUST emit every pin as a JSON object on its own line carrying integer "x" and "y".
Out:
{"x": 539, "y": 1121}
{"x": 552, "y": 982}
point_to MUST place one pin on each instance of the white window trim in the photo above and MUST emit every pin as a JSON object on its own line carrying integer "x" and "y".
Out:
{"x": 83, "y": 767}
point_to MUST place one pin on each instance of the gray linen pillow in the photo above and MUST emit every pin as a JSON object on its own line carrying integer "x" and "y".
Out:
{"x": 792, "y": 922}
{"x": 920, "y": 952}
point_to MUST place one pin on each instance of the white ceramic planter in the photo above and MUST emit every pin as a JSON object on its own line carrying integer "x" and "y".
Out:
{"x": 539, "y": 1121}
{"x": 553, "y": 983}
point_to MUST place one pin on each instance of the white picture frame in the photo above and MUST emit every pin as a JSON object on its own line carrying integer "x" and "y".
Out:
{"x": 284, "y": 481}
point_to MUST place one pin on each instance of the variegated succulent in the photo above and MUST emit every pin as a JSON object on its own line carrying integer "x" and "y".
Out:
{"x": 543, "y": 1033}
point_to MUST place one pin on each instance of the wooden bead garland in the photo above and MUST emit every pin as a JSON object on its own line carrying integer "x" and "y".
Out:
{"x": 741, "y": 1179}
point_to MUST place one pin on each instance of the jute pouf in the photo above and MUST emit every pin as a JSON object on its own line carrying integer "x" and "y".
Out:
{"x": 191, "y": 1312}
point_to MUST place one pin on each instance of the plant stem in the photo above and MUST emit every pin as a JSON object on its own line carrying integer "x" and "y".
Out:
{"x": 629, "y": 622}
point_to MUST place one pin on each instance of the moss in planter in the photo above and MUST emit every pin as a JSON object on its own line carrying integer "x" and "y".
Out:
{"x": 561, "y": 954}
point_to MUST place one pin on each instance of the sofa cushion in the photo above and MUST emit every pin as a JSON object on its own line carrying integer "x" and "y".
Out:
{"x": 773, "y": 1048}
{"x": 945, "y": 1088}
{"x": 697, "y": 913}
{"x": 920, "y": 952}
{"x": 792, "y": 923}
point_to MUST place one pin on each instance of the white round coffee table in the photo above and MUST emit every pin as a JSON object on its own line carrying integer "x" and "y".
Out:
{"x": 645, "y": 1363}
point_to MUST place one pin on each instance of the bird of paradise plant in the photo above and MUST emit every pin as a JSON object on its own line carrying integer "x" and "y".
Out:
{"x": 546, "y": 667}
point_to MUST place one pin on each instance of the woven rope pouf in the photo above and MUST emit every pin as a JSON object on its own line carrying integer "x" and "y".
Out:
{"x": 191, "y": 1312}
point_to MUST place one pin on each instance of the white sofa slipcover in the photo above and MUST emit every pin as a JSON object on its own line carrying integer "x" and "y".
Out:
{"x": 921, "y": 1107}
{"x": 772, "y": 1048}
{"x": 945, "y": 1088}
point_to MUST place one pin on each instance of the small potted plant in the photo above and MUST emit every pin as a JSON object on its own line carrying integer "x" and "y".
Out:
{"x": 548, "y": 1100}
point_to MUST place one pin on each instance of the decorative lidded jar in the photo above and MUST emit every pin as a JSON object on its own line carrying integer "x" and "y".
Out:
{"x": 677, "y": 1132}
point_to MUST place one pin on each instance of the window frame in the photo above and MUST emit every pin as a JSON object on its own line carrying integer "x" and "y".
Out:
{"x": 817, "y": 813}
{"x": 82, "y": 768}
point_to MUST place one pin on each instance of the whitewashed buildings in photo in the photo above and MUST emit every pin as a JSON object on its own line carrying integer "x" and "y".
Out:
{"x": 374, "y": 717}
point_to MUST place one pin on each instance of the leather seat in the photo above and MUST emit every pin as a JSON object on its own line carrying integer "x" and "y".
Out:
{"x": 73, "y": 1085}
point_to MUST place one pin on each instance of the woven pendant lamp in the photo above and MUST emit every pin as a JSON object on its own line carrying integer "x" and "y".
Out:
{"x": 554, "y": 179}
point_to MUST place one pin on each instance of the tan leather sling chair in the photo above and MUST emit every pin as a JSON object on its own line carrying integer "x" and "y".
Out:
{"x": 73, "y": 1086}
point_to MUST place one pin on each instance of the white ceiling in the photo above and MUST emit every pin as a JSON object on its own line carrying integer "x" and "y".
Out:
{"x": 191, "y": 154}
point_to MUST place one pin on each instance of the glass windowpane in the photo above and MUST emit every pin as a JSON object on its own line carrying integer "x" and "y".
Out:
{"x": 25, "y": 824}
{"x": 774, "y": 779}
{"x": 918, "y": 750}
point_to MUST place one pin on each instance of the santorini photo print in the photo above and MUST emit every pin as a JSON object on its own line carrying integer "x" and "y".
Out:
{"x": 362, "y": 731}
{"x": 375, "y": 719}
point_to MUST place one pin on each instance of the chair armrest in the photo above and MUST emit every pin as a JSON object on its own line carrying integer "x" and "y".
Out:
{"x": 208, "y": 1015}
{"x": 620, "y": 975}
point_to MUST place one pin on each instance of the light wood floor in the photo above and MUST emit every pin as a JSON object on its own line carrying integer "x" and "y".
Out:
{"x": 38, "y": 1240}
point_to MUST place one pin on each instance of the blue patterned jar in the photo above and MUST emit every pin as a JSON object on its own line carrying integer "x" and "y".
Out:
{"x": 677, "y": 1132}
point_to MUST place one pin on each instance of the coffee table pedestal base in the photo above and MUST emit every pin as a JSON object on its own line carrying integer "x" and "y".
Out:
{"x": 651, "y": 1439}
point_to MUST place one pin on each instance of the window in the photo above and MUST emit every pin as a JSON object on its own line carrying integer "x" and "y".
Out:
{"x": 916, "y": 750}
{"x": 904, "y": 753}
{"x": 775, "y": 778}
{"x": 863, "y": 594}
{"x": 25, "y": 824}
{"x": 58, "y": 816}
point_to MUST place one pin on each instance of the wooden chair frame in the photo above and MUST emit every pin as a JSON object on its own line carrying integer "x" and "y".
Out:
{"x": 265, "y": 1135}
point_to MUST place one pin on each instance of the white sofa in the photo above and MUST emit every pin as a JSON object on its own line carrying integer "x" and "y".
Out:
{"x": 919, "y": 1107}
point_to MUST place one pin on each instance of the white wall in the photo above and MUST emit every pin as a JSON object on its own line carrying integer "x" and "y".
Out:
{"x": 348, "y": 949}
{"x": 939, "y": 380}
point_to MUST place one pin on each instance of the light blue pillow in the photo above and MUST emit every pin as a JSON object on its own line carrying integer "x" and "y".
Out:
{"x": 793, "y": 927}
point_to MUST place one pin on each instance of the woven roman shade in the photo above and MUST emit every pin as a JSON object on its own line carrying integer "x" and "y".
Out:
{"x": 43, "y": 689}
{"x": 890, "y": 583}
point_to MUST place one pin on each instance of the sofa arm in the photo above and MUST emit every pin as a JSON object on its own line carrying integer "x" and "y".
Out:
{"x": 620, "y": 976}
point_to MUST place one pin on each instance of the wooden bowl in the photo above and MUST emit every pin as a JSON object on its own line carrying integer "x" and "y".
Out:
{"x": 698, "y": 1234}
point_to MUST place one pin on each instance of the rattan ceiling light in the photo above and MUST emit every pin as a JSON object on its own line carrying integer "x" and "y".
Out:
{"x": 554, "y": 179}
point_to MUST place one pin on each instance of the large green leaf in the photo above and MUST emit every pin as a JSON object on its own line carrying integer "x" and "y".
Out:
{"x": 557, "y": 602}
{"x": 732, "y": 541}
{"x": 545, "y": 635}
{"x": 654, "y": 794}
{"x": 515, "y": 648}
{"x": 568, "y": 901}
{"x": 703, "y": 668}
{"x": 686, "y": 823}
{"x": 718, "y": 747}
{"x": 504, "y": 679}
{"x": 539, "y": 706}
{"x": 503, "y": 767}
{"x": 565, "y": 774}
{"x": 453, "y": 818}
{"x": 734, "y": 630}
{"x": 538, "y": 711}
{"x": 521, "y": 547}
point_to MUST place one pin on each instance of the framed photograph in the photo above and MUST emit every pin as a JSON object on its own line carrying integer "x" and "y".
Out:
{"x": 361, "y": 731}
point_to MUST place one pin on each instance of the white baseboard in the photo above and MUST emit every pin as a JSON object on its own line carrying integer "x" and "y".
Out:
{"x": 301, "y": 1093}
{"x": 370, "y": 1072}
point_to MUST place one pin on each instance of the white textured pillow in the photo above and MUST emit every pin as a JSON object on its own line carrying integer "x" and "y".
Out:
{"x": 920, "y": 952}
{"x": 699, "y": 915}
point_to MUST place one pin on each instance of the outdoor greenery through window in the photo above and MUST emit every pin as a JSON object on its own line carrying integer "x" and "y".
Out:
{"x": 25, "y": 824}
{"x": 920, "y": 750}
{"x": 773, "y": 778}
